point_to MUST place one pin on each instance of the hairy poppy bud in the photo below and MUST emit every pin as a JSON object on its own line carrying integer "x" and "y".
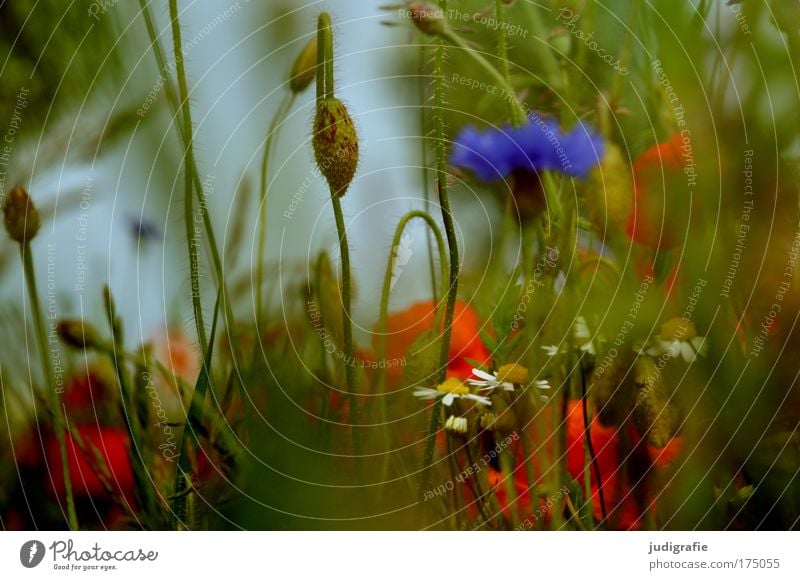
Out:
{"x": 428, "y": 18}
{"x": 304, "y": 68}
{"x": 335, "y": 144}
{"x": 20, "y": 216}
{"x": 335, "y": 140}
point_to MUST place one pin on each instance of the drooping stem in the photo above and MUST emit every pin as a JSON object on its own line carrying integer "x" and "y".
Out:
{"x": 274, "y": 128}
{"x": 384, "y": 306}
{"x": 387, "y": 282}
{"x": 508, "y": 91}
{"x": 53, "y": 393}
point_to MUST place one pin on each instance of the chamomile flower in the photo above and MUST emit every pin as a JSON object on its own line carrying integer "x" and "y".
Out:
{"x": 678, "y": 338}
{"x": 449, "y": 391}
{"x": 505, "y": 378}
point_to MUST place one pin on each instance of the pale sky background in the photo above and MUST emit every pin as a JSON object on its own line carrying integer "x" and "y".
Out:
{"x": 236, "y": 87}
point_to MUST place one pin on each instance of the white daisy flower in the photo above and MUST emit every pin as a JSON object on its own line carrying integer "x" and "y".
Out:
{"x": 505, "y": 378}
{"x": 678, "y": 338}
{"x": 449, "y": 391}
{"x": 456, "y": 425}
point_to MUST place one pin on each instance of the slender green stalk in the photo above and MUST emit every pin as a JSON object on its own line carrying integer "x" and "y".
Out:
{"x": 186, "y": 137}
{"x": 115, "y": 352}
{"x": 544, "y": 55}
{"x": 325, "y": 94}
{"x": 426, "y": 189}
{"x": 55, "y": 399}
{"x": 349, "y": 367}
{"x": 188, "y": 215}
{"x": 274, "y": 128}
{"x": 517, "y": 115}
{"x": 452, "y": 243}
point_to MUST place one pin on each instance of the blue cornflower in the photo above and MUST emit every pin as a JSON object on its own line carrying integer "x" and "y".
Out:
{"x": 539, "y": 145}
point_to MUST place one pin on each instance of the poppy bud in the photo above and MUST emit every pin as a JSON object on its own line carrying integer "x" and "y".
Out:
{"x": 611, "y": 191}
{"x": 78, "y": 334}
{"x": 20, "y": 216}
{"x": 335, "y": 144}
{"x": 304, "y": 68}
{"x": 428, "y": 18}
{"x": 335, "y": 140}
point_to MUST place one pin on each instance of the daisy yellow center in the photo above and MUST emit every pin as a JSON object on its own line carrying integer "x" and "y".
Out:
{"x": 513, "y": 373}
{"x": 453, "y": 386}
{"x": 678, "y": 329}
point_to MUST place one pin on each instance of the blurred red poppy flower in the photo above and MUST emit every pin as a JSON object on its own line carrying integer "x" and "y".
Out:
{"x": 622, "y": 499}
{"x": 99, "y": 454}
{"x": 662, "y": 201}
{"x": 465, "y": 344}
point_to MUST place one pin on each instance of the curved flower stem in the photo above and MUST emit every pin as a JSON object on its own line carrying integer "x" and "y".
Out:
{"x": 384, "y": 306}
{"x": 274, "y": 128}
{"x": 54, "y": 399}
{"x": 387, "y": 280}
{"x": 452, "y": 243}
{"x": 349, "y": 367}
{"x": 509, "y": 94}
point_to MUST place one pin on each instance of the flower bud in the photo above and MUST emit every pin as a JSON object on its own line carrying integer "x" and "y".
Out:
{"x": 20, "y": 216}
{"x": 428, "y": 18}
{"x": 561, "y": 41}
{"x": 655, "y": 415}
{"x": 611, "y": 193}
{"x": 304, "y": 68}
{"x": 335, "y": 144}
{"x": 78, "y": 334}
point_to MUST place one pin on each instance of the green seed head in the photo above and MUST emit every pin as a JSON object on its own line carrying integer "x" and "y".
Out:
{"x": 335, "y": 144}
{"x": 20, "y": 216}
